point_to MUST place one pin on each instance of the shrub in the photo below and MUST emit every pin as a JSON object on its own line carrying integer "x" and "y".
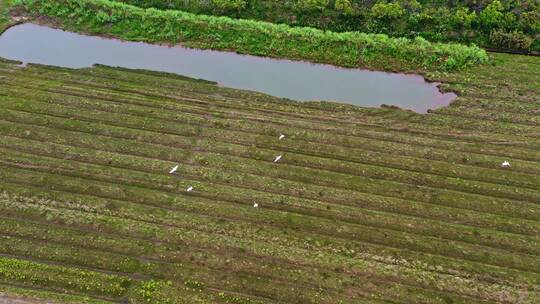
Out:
{"x": 229, "y": 5}
{"x": 492, "y": 16}
{"x": 463, "y": 18}
{"x": 387, "y": 11}
{"x": 411, "y": 6}
{"x": 535, "y": 46}
{"x": 310, "y": 5}
{"x": 530, "y": 21}
{"x": 512, "y": 40}
{"x": 344, "y": 6}
{"x": 436, "y": 20}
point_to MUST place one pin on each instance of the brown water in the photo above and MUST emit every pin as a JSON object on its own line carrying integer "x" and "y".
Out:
{"x": 296, "y": 80}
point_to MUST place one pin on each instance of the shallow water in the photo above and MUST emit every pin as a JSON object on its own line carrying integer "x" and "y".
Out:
{"x": 296, "y": 80}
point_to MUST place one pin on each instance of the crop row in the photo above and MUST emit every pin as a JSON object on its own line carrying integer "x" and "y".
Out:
{"x": 164, "y": 152}
{"x": 123, "y": 92}
{"x": 419, "y": 148}
{"x": 61, "y": 278}
{"x": 58, "y": 242}
{"x": 342, "y": 212}
{"x": 358, "y": 233}
{"x": 84, "y": 185}
{"x": 197, "y": 271}
{"x": 176, "y": 155}
{"x": 332, "y": 133}
{"x": 99, "y": 222}
{"x": 379, "y": 172}
{"x": 160, "y": 124}
{"x": 221, "y": 260}
{"x": 140, "y": 149}
{"x": 16, "y": 291}
{"x": 102, "y": 190}
{"x": 104, "y": 261}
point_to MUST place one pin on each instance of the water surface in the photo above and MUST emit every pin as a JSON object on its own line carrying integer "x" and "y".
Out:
{"x": 296, "y": 80}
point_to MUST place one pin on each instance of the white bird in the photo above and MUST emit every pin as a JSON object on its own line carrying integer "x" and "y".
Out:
{"x": 189, "y": 189}
{"x": 173, "y": 169}
{"x": 282, "y": 136}
{"x": 505, "y": 164}
{"x": 277, "y": 158}
{"x": 255, "y": 205}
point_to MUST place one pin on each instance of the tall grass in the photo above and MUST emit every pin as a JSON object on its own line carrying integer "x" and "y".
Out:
{"x": 349, "y": 49}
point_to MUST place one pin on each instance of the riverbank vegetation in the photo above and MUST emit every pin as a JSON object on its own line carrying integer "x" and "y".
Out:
{"x": 499, "y": 24}
{"x": 5, "y": 20}
{"x": 366, "y": 205}
{"x": 350, "y": 49}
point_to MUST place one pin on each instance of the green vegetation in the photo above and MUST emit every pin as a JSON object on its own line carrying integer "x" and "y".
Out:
{"x": 40, "y": 296}
{"x": 5, "y": 20}
{"x": 367, "y": 205}
{"x": 17, "y": 271}
{"x": 350, "y": 49}
{"x": 482, "y": 22}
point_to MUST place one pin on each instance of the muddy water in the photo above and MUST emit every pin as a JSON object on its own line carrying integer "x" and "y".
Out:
{"x": 296, "y": 80}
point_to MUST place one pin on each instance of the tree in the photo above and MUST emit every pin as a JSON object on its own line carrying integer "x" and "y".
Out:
{"x": 492, "y": 16}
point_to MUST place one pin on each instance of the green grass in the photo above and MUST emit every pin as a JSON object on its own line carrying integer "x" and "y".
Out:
{"x": 442, "y": 21}
{"x": 4, "y": 15}
{"x": 8, "y": 292}
{"x": 350, "y": 49}
{"x": 368, "y": 205}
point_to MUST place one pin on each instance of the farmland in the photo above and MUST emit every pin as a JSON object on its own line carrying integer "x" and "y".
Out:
{"x": 366, "y": 205}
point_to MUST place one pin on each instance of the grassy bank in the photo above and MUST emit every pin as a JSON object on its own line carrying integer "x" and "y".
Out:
{"x": 504, "y": 24}
{"x": 366, "y": 205}
{"x": 349, "y": 49}
{"x": 5, "y": 20}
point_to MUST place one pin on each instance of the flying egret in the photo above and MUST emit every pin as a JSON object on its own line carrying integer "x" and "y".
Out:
{"x": 189, "y": 189}
{"x": 505, "y": 164}
{"x": 277, "y": 158}
{"x": 282, "y": 136}
{"x": 173, "y": 169}
{"x": 255, "y": 205}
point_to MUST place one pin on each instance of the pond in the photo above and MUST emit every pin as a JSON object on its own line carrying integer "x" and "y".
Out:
{"x": 298, "y": 80}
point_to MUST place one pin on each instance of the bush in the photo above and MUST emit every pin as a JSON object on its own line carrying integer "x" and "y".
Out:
{"x": 514, "y": 40}
{"x": 460, "y": 20}
{"x": 229, "y": 5}
{"x": 492, "y": 16}
{"x": 535, "y": 46}
{"x": 530, "y": 21}
{"x": 387, "y": 11}
{"x": 463, "y": 18}
{"x": 310, "y": 5}
{"x": 344, "y": 6}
